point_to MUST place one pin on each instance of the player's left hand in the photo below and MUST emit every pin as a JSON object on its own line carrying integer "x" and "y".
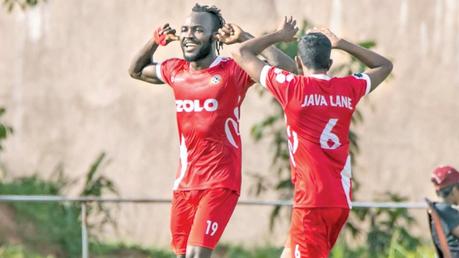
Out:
{"x": 287, "y": 29}
{"x": 230, "y": 33}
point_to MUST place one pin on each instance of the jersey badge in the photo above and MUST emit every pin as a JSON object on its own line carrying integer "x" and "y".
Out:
{"x": 216, "y": 79}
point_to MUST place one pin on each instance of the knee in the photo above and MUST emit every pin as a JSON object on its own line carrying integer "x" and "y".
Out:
{"x": 198, "y": 252}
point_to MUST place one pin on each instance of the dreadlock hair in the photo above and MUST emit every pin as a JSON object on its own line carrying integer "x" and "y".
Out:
{"x": 216, "y": 17}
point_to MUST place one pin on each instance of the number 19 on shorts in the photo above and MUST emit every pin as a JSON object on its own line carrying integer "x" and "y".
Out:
{"x": 212, "y": 227}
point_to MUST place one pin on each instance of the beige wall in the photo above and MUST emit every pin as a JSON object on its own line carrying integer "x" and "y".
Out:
{"x": 63, "y": 78}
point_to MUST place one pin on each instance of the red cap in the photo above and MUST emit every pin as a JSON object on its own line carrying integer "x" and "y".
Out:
{"x": 444, "y": 176}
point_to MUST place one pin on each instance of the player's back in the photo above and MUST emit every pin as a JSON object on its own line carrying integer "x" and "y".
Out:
{"x": 318, "y": 111}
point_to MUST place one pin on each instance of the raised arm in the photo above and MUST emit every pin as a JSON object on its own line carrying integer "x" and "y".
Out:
{"x": 380, "y": 67}
{"x": 142, "y": 66}
{"x": 246, "y": 54}
{"x": 231, "y": 33}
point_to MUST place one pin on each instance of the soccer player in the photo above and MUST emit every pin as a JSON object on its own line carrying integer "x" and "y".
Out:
{"x": 446, "y": 183}
{"x": 208, "y": 90}
{"x": 318, "y": 110}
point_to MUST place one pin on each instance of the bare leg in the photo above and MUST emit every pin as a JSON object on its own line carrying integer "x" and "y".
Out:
{"x": 198, "y": 252}
{"x": 286, "y": 253}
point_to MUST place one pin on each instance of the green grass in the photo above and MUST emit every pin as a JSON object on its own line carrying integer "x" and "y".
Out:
{"x": 55, "y": 226}
{"x": 52, "y": 230}
{"x": 15, "y": 251}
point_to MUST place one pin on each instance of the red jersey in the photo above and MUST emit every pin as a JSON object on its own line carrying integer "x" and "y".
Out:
{"x": 318, "y": 111}
{"x": 208, "y": 111}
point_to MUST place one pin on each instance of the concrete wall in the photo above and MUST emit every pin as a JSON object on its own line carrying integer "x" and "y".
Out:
{"x": 64, "y": 81}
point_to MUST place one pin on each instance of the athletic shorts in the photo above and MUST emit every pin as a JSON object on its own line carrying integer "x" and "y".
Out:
{"x": 199, "y": 217}
{"x": 314, "y": 231}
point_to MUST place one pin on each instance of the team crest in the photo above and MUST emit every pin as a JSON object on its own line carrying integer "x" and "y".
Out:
{"x": 216, "y": 79}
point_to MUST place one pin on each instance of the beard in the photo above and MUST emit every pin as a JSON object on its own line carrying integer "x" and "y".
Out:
{"x": 203, "y": 52}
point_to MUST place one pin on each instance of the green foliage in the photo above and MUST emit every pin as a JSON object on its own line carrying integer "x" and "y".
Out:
{"x": 18, "y": 252}
{"x": 235, "y": 251}
{"x": 23, "y": 4}
{"x": 394, "y": 250}
{"x": 385, "y": 225}
{"x": 104, "y": 250}
{"x": 56, "y": 226}
{"x": 98, "y": 185}
{"x": 45, "y": 224}
{"x": 341, "y": 250}
{"x": 5, "y": 130}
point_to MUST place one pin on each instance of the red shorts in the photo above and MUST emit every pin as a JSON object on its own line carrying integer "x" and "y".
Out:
{"x": 199, "y": 217}
{"x": 314, "y": 231}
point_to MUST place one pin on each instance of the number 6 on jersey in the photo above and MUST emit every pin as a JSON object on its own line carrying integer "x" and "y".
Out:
{"x": 328, "y": 138}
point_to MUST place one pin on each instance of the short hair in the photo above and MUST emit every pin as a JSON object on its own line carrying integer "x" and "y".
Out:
{"x": 314, "y": 50}
{"x": 212, "y": 10}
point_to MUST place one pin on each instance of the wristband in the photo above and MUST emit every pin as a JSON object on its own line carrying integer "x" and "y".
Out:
{"x": 160, "y": 39}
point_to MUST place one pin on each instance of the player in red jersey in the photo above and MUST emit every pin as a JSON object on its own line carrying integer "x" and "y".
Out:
{"x": 318, "y": 110}
{"x": 208, "y": 90}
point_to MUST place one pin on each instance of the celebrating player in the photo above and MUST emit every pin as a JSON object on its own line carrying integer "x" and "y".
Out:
{"x": 318, "y": 110}
{"x": 208, "y": 90}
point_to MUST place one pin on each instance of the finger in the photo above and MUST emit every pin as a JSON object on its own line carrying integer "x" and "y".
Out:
{"x": 218, "y": 37}
{"x": 285, "y": 19}
{"x": 167, "y": 31}
{"x": 226, "y": 30}
{"x": 173, "y": 37}
{"x": 228, "y": 27}
{"x": 165, "y": 25}
{"x": 221, "y": 32}
{"x": 294, "y": 23}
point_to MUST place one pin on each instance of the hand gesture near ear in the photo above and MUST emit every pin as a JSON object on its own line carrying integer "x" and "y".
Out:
{"x": 165, "y": 35}
{"x": 328, "y": 33}
{"x": 230, "y": 33}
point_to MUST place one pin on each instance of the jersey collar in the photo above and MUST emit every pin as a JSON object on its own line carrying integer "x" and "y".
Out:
{"x": 320, "y": 76}
{"x": 216, "y": 61}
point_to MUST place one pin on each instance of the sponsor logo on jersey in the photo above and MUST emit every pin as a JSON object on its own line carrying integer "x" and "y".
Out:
{"x": 196, "y": 105}
{"x": 176, "y": 79}
{"x": 216, "y": 79}
{"x": 232, "y": 126}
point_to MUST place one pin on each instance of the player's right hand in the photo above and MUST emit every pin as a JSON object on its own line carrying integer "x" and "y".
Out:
{"x": 165, "y": 35}
{"x": 328, "y": 33}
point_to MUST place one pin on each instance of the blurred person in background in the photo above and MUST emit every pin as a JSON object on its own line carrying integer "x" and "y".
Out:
{"x": 208, "y": 90}
{"x": 446, "y": 183}
{"x": 318, "y": 111}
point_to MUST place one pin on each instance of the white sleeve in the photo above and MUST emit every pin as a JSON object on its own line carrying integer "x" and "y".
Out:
{"x": 364, "y": 76}
{"x": 368, "y": 80}
{"x": 264, "y": 75}
{"x": 158, "y": 71}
